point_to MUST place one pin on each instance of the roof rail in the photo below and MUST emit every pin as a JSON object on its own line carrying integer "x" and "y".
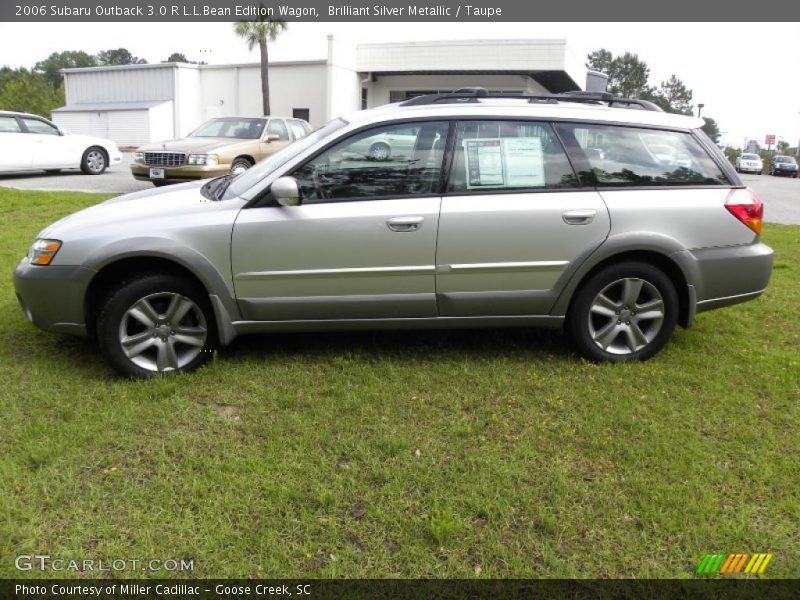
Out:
{"x": 473, "y": 94}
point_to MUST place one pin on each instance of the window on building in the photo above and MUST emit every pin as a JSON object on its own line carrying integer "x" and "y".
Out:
{"x": 508, "y": 155}
{"x": 301, "y": 113}
{"x": 386, "y": 162}
{"x": 363, "y": 98}
{"x": 630, "y": 156}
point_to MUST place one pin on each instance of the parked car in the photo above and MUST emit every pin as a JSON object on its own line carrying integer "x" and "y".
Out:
{"x": 749, "y": 163}
{"x": 32, "y": 143}
{"x": 783, "y": 165}
{"x": 217, "y": 147}
{"x": 496, "y": 216}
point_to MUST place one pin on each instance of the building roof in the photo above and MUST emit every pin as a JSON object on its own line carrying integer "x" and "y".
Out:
{"x": 550, "y": 62}
{"x": 104, "y": 106}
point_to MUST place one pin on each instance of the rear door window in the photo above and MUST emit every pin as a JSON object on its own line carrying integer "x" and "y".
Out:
{"x": 9, "y": 125}
{"x": 631, "y": 156}
{"x": 492, "y": 156}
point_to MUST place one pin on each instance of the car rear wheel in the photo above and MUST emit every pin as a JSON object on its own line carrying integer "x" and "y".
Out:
{"x": 157, "y": 324}
{"x": 624, "y": 312}
{"x": 94, "y": 161}
{"x": 240, "y": 165}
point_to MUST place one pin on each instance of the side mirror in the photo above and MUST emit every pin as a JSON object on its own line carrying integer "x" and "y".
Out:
{"x": 272, "y": 137}
{"x": 286, "y": 191}
{"x": 62, "y": 131}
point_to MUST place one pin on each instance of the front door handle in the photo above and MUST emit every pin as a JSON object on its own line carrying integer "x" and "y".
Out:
{"x": 405, "y": 223}
{"x": 579, "y": 217}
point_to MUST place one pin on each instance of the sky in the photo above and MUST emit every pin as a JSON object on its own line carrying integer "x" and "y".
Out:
{"x": 750, "y": 88}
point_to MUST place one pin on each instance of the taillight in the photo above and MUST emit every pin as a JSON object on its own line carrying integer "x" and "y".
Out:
{"x": 745, "y": 205}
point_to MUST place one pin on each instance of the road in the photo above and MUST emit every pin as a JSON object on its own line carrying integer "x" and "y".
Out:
{"x": 116, "y": 180}
{"x": 781, "y": 195}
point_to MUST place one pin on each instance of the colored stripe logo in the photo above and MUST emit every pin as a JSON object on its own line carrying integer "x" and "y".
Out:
{"x": 730, "y": 564}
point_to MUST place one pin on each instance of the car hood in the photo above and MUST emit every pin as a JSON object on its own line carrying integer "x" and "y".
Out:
{"x": 197, "y": 144}
{"x": 162, "y": 211}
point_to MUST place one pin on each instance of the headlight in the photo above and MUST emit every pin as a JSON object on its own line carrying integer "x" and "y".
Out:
{"x": 43, "y": 252}
{"x": 138, "y": 157}
{"x": 202, "y": 159}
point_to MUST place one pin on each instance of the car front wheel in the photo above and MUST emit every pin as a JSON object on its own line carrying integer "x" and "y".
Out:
{"x": 239, "y": 166}
{"x": 156, "y": 324}
{"x": 624, "y": 312}
{"x": 94, "y": 161}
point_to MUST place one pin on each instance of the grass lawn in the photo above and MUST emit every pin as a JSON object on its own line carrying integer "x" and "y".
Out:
{"x": 435, "y": 454}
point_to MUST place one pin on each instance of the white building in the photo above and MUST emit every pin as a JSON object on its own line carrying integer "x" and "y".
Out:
{"x": 136, "y": 104}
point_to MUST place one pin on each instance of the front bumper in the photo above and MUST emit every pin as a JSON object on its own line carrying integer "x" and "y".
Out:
{"x": 52, "y": 297}
{"x": 182, "y": 173}
{"x": 114, "y": 158}
{"x": 789, "y": 172}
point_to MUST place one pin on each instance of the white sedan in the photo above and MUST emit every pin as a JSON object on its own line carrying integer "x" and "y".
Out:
{"x": 32, "y": 143}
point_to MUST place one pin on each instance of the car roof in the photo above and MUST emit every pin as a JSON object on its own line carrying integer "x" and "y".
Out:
{"x": 13, "y": 113}
{"x": 520, "y": 108}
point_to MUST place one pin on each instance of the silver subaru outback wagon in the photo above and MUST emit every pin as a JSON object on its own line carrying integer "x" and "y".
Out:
{"x": 602, "y": 216}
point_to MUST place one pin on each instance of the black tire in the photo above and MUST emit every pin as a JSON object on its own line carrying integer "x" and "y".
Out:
{"x": 380, "y": 151}
{"x": 158, "y": 290}
{"x": 241, "y": 163}
{"x": 94, "y": 161}
{"x": 583, "y": 325}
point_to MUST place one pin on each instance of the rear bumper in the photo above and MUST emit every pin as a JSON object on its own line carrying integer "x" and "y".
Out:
{"x": 730, "y": 275}
{"x": 52, "y": 297}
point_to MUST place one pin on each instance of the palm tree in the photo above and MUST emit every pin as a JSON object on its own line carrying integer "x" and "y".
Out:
{"x": 256, "y": 33}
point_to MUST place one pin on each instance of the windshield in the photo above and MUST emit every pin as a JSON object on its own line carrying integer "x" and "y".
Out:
{"x": 749, "y": 156}
{"x": 786, "y": 159}
{"x": 255, "y": 174}
{"x": 237, "y": 128}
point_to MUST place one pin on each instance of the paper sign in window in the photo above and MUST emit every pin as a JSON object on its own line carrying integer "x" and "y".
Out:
{"x": 484, "y": 160}
{"x": 524, "y": 162}
{"x": 507, "y": 162}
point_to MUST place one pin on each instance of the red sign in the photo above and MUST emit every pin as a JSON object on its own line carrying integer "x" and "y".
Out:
{"x": 770, "y": 139}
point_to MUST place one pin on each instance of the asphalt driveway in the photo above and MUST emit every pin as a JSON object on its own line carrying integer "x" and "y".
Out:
{"x": 117, "y": 179}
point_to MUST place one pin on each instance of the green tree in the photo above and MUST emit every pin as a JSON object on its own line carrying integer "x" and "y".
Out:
{"x": 711, "y": 128}
{"x": 627, "y": 74}
{"x": 256, "y": 33}
{"x": 783, "y": 147}
{"x": 673, "y": 96}
{"x": 177, "y": 57}
{"x": 69, "y": 59}
{"x": 732, "y": 153}
{"x": 119, "y": 56}
{"x": 27, "y": 91}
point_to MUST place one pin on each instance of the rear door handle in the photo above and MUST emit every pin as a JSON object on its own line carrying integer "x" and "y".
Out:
{"x": 579, "y": 217}
{"x": 405, "y": 223}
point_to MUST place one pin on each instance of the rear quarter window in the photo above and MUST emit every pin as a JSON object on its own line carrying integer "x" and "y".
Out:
{"x": 632, "y": 157}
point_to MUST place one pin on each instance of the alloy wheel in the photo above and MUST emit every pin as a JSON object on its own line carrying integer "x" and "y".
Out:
{"x": 163, "y": 332}
{"x": 626, "y": 315}
{"x": 95, "y": 161}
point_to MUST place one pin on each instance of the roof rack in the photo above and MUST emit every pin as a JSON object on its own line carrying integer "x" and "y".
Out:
{"x": 473, "y": 94}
